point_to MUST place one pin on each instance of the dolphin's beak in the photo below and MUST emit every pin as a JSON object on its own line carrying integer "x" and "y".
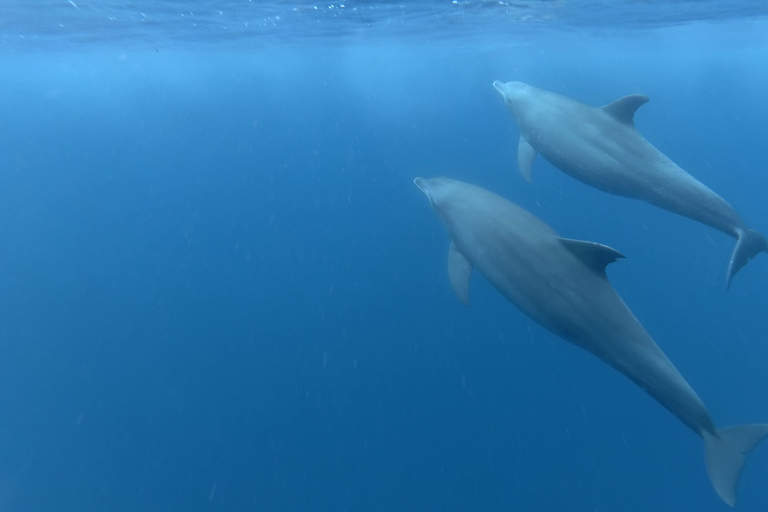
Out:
{"x": 422, "y": 184}
{"x": 424, "y": 187}
{"x": 501, "y": 87}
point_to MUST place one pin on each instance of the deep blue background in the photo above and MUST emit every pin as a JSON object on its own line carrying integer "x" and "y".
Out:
{"x": 219, "y": 289}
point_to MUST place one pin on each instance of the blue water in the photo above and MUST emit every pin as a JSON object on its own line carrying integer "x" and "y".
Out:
{"x": 220, "y": 290}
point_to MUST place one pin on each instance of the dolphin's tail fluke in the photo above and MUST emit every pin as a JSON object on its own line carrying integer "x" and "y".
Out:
{"x": 726, "y": 453}
{"x": 749, "y": 244}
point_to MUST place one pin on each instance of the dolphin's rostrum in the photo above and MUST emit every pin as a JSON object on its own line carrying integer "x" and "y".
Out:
{"x": 561, "y": 284}
{"x": 602, "y": 148}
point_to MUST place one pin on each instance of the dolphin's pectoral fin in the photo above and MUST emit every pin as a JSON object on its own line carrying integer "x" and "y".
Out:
{"x": 593, "y": 255}
{"x": 749, "y": 245}
{"x": 623, "y": 109}
{"x": 525, "y": 156}
{"x": 725, "y": 456}
{"x": 459, "y": 270}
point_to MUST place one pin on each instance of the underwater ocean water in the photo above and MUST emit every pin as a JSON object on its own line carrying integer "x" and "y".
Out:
{"x": 220, "y": 289}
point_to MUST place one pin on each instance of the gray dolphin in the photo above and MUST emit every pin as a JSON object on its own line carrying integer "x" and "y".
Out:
{"x": 602, "y": 148}
{"x": 561, "y": 284}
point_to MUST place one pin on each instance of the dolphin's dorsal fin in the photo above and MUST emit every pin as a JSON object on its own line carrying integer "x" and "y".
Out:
{"x": 623, "y": 109}
{"x": 459, "y": 271}
{"x": 525, "y": 156}
{"x": 593, "y": 255}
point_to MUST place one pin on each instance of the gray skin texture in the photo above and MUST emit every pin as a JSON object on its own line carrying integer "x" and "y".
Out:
{"x": 561, "y": 284}
{"x": 602, "y": 148}
{"x": 528, "y": 263}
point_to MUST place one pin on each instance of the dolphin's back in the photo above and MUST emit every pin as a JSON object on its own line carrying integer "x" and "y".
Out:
{"x": 593, "y": 146}
{"x": 525, "y": 260}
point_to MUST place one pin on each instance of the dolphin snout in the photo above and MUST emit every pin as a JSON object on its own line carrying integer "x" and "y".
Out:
{"x": 422, "y": 184}
{"x": 500, "y": 86}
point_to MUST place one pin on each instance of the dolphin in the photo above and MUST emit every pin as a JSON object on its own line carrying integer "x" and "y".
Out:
{"x": 602, "y": 148}
{"x": 561, "y": 284}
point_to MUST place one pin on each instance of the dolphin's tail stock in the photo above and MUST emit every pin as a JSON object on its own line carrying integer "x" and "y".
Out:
{"x": 725, "y": 455}
{"x": 749, "y": 244}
